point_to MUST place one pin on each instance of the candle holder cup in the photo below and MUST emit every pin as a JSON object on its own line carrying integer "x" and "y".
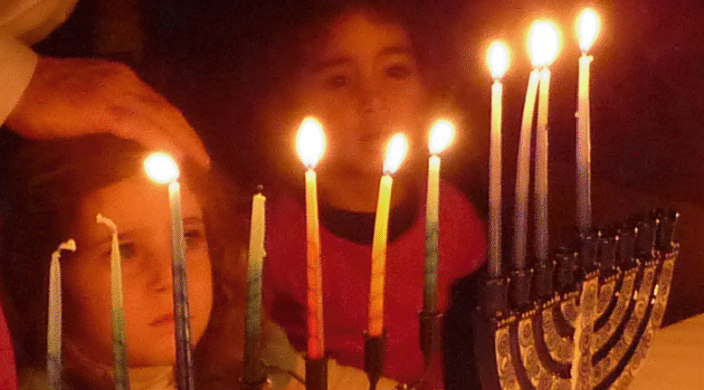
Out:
{"x": 520, "y": 289}
{"x": 374, "y": 352}
{"x": 592, "y": 327}
{"x": 493, "y": 297}
{"x": 317, "y": 373}
{"x": 429, "y": 335}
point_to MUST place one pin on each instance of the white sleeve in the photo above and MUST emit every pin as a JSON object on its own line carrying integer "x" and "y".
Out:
{"x": 22, "y": 23}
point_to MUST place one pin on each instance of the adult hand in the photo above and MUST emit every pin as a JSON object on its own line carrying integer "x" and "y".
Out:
{"x": 73, "y": 97}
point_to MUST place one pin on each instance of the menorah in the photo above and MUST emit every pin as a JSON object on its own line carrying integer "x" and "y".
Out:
{"x": 584, "y": 320}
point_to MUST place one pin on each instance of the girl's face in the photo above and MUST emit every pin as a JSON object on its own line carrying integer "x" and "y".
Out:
{"x": 140, "y": 210}
{"x": 363, "y": 83}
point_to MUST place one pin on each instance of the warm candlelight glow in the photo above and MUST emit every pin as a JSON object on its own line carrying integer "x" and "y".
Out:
{"x": 588, "y": 24}
{"x": 442, "y": 133}
{"x": 395, "y": 153}
{"x": 310, "y": 142}
{"x": 543, "y": 43}
{"x": 161, "y": 168}
{"x": 498, "y": 58}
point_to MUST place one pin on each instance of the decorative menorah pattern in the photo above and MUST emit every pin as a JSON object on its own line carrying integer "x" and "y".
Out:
{"x": 590, "y": 316}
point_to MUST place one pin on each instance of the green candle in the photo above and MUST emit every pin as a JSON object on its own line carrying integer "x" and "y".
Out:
{"x": 119, "y": 342}
{"x": 441, "y": 136}
{"x": 53, "y": 328}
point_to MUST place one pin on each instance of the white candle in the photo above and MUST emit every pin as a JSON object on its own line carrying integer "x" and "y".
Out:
{"x": 54, "y": 331}
{"x": 587, "y": 30}
{"x": 544, "y": 45}
{"x": 253, "y": 315}
{"x": 498, "y": 63}
{"x": 541, "y": 168}
{"x": 520, "y": 219}
{"x": 119, "y": 340}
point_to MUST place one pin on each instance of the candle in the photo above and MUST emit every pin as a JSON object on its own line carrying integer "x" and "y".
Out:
{"x": 53, "y": 328}
{"x": 161, "y": 168}
{"x": 441, "y": 134}
{"x": 520, "y": 220}
{"x": 395, "y": 153}
{"x": 119, "y": 342}
{"x": 498, "y": 63}
{"x": 310, "y": 144}
{"x": 253, "y": 315}
{"x": 587, "y": 30}
{"x": 544, "y": 46}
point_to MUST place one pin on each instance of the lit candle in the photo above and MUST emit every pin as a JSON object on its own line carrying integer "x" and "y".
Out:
{"x": 53, "y": 328}
{"x": 544, "y": 46}
{"x": 310, "y": 144}
{"x": 587, "y": 30}
{"x": 253, "y": 315}
{"x": 441, "y": 135}
{"x": 498, "y": 63}
{"x": 395, "y": 153}
{"x": 161, "y": 168}
{"x": 119, "y": 342}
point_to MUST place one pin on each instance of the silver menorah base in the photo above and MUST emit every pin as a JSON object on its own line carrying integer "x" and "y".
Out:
{"x": 594, "y": 327}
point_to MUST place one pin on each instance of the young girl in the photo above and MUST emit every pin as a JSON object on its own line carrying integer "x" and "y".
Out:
{"x": 54, "y": 196}
{"x": 357, "y": 72}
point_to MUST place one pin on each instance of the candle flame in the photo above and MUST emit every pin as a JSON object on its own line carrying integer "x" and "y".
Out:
{"x": 395, "y": 153}
{"x": 588, "y": 25}
{"x": 441, "y": 135}
{"x": 543, "y": 43}
{"x": 310, "y": 142}
{"x": 498, "y": 58}
{"x": 161, "y": 168}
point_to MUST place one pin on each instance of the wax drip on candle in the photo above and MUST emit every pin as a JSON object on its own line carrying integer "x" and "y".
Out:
{"x": 119, "y": 338}
{"x": 54, "y": 320}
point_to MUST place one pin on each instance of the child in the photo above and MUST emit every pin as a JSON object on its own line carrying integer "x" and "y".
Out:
{"x": 52, "y": 197}
{"x": 358, "y": 75}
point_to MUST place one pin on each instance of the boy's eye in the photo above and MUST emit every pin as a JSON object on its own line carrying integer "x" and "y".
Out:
{"x": 193, "y": 237}
{"x": 398, "y": 71}
{"x": 127, "y": 250}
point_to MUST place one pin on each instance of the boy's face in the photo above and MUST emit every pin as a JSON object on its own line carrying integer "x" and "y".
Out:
{"x": 363, "y": 84}
{"x": 140, "y": 210}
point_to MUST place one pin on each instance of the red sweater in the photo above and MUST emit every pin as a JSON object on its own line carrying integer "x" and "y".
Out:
{"x": 8, "y": 376}
{"x": 346, "y": 277}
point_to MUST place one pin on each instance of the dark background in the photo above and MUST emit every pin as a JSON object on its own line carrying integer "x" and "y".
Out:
{"x": 208, "y": 57}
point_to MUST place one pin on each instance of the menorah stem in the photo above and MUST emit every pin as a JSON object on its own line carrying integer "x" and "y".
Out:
{"x": 374, "y": 348}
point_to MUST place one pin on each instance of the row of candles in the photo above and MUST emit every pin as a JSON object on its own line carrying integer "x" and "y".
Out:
{"x": 310, "y": 145}
{"x": 543, "y": 43}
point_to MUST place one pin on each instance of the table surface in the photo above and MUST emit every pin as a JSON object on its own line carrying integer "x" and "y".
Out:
{"x": 676, "y": 358}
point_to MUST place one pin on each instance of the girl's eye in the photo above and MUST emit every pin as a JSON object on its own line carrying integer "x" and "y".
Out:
{"x": 127, "y": 250}
{"x": 193, "y": 237}
{"x": 398, "y": 71}
{"x": 338, "y": 80}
